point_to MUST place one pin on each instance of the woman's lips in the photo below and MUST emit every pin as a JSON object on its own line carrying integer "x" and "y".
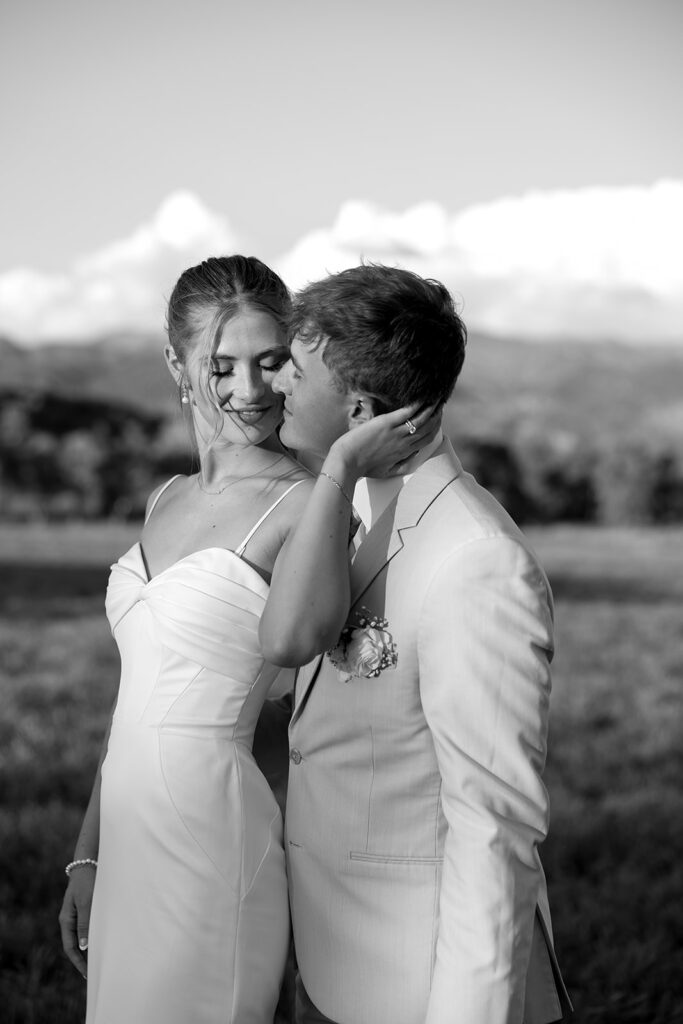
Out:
{"x": 251, "y": 415}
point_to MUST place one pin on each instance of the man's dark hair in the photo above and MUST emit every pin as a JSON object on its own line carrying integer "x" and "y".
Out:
{"x": 387, "y": 332}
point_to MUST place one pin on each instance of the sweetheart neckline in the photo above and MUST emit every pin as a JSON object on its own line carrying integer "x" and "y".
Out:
{"x": 200, "y": 551}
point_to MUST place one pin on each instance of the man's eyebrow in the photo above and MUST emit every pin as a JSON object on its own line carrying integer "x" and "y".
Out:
{"x": 297, "y": 365}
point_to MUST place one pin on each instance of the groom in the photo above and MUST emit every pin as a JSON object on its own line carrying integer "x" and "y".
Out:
{"x": 415, "y": 804}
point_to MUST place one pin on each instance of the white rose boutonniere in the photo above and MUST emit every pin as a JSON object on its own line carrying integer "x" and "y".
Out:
{"x": 364, "y": 650}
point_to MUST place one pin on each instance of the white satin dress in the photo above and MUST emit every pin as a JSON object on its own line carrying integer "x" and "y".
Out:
{"x": 190, "y": 918}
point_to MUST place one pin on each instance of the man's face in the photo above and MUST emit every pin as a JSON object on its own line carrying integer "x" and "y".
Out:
{"x": 315, "y": 412}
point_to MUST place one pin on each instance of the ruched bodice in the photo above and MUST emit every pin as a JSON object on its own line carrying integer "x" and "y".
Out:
{"x": 190, "y": 915}
{"x": 195, "y": 626}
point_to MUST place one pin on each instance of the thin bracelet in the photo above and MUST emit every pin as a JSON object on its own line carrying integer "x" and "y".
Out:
{"x": 336, "y": 484}
{"x": 79, "y": 864}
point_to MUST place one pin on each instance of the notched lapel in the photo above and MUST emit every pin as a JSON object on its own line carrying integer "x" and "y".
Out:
{"x": 378, "y": 547}
{"x": 385, "y": 539}
{"x": 305, "y": 678}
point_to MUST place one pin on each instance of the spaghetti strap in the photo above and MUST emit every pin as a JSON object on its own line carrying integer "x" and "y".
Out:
{"x": 159, "y": 493}
{"x": 240, "y": 550}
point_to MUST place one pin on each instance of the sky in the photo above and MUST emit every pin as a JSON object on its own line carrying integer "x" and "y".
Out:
{"x": 526, "y": 151}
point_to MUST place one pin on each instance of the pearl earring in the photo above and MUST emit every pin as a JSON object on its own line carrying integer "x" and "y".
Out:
{"x": 184, "y": 394}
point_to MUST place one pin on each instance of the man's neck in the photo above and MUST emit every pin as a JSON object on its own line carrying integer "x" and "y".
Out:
{"x": 421, "y": 457}
{"x": 309, "y": 460}
{"x": 373, "y": 495}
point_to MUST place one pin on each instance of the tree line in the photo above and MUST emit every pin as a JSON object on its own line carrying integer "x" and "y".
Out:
{"x": 68, "y": 458}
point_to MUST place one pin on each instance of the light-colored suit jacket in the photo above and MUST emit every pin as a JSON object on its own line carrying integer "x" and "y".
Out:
{"x": 415, "y": 802}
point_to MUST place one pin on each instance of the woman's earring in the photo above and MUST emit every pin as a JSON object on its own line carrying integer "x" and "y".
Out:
{"x": 184, "y": 393}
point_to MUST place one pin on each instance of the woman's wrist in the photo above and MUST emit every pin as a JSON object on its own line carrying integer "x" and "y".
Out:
{"x": 86, "y": 849}
{"x": 340, "y": 487}
{"x": 80, "y": 862}
{"x": 341, "y": 463}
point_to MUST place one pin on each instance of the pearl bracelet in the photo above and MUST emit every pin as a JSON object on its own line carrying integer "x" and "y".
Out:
{"x": 79, "y": 864}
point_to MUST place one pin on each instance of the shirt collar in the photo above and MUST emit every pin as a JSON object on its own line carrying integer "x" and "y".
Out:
{"x": 372, "y": 495}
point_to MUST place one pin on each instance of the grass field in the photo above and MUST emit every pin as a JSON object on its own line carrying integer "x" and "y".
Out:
{"x": 614, "y": 858}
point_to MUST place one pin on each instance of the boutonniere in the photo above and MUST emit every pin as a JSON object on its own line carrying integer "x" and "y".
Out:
{"x": 364, "y": 650}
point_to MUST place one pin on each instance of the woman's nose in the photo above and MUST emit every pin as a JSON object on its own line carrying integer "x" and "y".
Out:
{"x": 249, "y": 386}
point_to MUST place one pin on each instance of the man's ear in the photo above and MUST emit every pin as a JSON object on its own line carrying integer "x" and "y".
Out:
{"x": 360, "y": 409}
{"x": 175, "y": 367}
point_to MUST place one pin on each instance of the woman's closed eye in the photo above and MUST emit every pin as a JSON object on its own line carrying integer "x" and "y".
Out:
{"x": 272, "y": 366}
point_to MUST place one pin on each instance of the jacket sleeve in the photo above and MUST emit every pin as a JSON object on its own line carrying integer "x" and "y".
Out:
{"x": 484, "y": 648}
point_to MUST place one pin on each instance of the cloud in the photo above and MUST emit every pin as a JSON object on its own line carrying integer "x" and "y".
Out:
{"x": 595, "y": 262}
{"x": 589, "y": 263}
{"x": 122, "y": 286}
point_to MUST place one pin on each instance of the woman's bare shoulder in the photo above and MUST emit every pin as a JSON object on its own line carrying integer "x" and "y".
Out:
{"x": 300, "y": 484}
{"x": 295, "y": 489}
{"x": 158, "y": 491}
{"x": 292, "y": 471}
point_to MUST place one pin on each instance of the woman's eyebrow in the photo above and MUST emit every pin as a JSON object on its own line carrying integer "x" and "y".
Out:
{"x": 275, "y": 350}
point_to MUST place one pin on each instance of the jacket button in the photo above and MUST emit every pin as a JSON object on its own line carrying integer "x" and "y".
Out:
{"x": 295, "y": 755}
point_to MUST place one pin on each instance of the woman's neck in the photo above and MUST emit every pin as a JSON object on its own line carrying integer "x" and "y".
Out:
{"x": 232, "y": 461}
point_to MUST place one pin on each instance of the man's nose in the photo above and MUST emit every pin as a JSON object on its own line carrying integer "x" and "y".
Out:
{"x": 281, "y": 380}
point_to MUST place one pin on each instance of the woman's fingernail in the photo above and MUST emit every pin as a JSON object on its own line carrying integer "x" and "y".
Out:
{"x": 82, "y": 943}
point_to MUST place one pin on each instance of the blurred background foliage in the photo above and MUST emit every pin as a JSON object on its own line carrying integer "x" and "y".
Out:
{"x": 559, "y": 432}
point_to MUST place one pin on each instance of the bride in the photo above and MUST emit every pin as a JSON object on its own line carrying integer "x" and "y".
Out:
{"x": 182, "y": 838}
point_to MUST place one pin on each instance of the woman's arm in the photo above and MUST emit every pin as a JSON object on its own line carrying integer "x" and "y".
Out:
{"x": 310, "y": 591}
{"x": 74, "y": 917}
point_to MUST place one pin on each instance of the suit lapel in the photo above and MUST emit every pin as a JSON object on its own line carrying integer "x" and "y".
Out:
{"x": 305, "y": 678}
{"x": 385, "y": 540}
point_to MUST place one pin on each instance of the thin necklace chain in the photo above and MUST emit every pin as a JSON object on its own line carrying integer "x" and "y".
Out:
{"x": 239, "y": 479}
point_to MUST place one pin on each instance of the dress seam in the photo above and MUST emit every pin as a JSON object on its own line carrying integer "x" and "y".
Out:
{"x": 182, "y": 821}
{"x": 179, "y": 814}
{"x": 265, "y": 854}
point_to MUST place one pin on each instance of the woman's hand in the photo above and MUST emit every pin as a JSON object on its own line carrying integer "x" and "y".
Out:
{"x": 382, "y": 446}
{"x": 74, "y": 917}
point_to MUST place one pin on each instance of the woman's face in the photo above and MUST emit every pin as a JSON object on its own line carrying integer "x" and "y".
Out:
{"x": 250, "y": 351}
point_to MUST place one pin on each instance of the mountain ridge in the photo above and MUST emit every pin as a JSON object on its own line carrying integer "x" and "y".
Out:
{"x": 576, "y": 386}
